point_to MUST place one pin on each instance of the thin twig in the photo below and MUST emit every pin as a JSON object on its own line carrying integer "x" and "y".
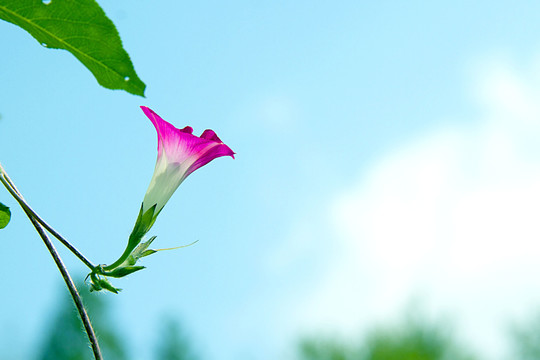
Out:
{"x": 63, "y": 270}
{"x": 72, "y": 289}
{"x": 10, "y": 186}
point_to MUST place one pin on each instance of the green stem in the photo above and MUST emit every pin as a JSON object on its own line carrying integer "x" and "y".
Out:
{"x": 71, "y": 287}
{"x": 10, "y": 186}
{"x": 61, "y": 267}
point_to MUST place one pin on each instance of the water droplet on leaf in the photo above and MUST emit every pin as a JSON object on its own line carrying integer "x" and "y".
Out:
{"x": 126, "y": 78}
{"x": 46, "y": 2}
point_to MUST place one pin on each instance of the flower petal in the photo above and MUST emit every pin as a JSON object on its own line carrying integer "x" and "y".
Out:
{"x": 210, "y": 135}
{"x": 187, "y": 129}
{"x": 213, "y": 152}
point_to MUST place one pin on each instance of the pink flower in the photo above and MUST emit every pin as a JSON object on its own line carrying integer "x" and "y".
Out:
{"x": 179, "y": 154}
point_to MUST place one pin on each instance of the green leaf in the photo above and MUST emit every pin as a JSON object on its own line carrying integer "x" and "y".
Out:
{"x": 5, "y": 215}
{"x": 82, "y": 28}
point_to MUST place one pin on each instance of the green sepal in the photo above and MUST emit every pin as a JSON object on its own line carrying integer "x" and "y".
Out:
{"x": 148, "y": 252}
{"x": 106, "y": 285}
{"x": 144, "y": 222}
{"x": 142, "y": 226}
{"x": 123, "y": 271}
{"x": 95, "y": 287}
{"x": 140, "y": 251}
{"x": 5, "y": 215}
{"x": 98, "y": 283}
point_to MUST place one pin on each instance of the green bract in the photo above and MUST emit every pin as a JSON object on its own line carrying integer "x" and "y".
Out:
{"x": 82, "y": 28}
{"x": 5, "y": 215}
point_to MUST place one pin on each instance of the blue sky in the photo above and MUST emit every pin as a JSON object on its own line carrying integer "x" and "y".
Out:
{"x": 385, "y": 152}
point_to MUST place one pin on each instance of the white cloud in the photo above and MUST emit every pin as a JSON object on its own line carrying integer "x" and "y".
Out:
{"x": 453, "y": 217}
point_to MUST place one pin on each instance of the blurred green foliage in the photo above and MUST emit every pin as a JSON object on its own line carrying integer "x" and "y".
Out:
{"x": 325, "y": 349}
{"x": 415, "y": 339}
{"x": 66, "y": 339}
{"x": 525, "y": 339}
{"x": 173, "y": 344}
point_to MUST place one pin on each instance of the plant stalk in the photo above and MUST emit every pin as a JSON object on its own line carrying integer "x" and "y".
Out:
{"x": 10, "y": 186}
{"x": 56, "y": 257}
{"x": 72, "y": 289}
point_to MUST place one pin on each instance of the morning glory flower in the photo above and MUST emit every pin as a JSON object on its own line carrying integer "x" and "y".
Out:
{"x": 179, "y": 154}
